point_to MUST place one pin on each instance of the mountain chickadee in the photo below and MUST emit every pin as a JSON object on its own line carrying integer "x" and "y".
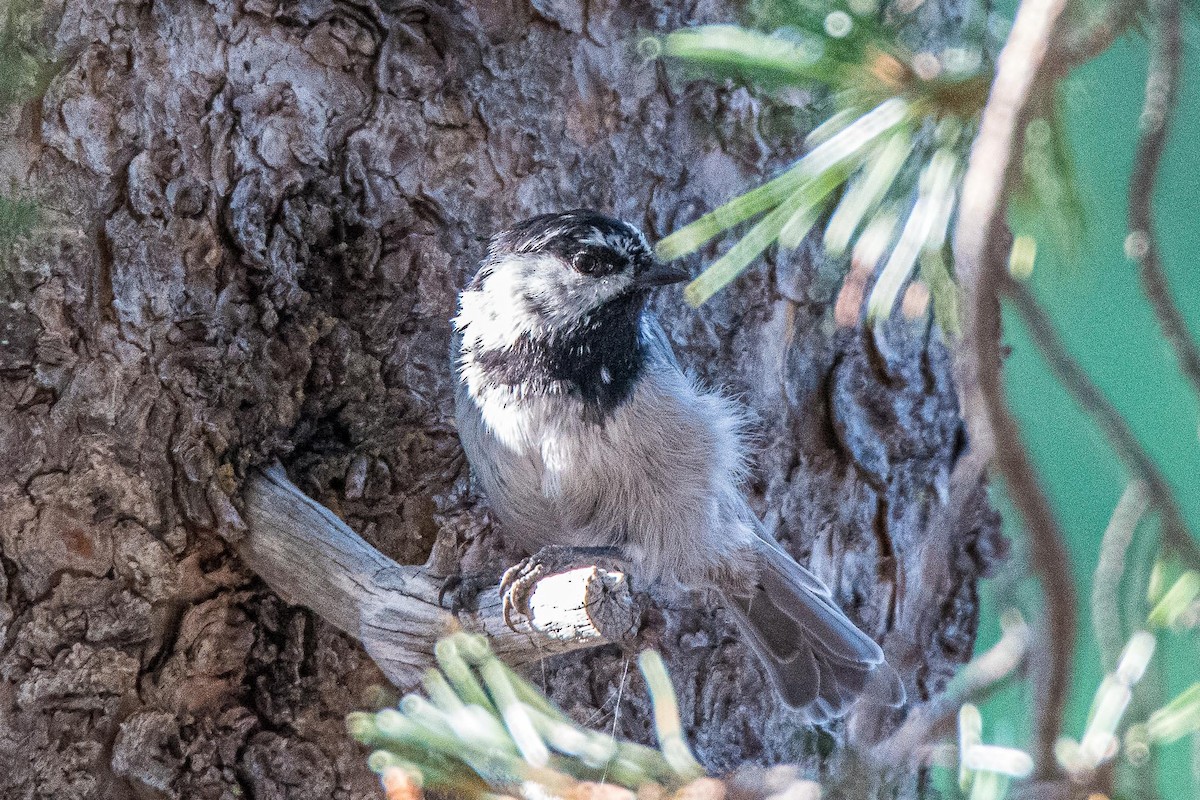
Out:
{"x": 583, "y": 431}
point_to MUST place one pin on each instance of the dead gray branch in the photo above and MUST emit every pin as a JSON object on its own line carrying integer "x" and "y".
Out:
{"x": 311, "y": 558}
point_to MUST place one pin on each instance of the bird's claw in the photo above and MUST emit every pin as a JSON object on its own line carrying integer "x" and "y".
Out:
{"x": 463, "y": 591}
{"x": 516, "y": 587}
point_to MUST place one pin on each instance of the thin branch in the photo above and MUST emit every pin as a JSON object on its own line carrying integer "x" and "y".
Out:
{"x": 980, "y": 258}
{"x": 311, "y": 558}
{"x": 921, "y": 731}
{"x": 1162, "y": 93}
{"x": 1110, "y": 569}
{"x": 1083, "y": 45}
{"x": 1114, "y": 426}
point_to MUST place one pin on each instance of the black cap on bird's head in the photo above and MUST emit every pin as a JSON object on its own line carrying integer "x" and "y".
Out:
{"x": 591, "y": 244}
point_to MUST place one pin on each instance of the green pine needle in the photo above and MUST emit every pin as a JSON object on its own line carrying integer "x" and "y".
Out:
{"x": 483, "y": 729}
{"x": 750, "y": 246}
{"x": 1176, "y": 601}
{"x": 1179, "y": 718}
{"x": 943, "y": 291}
{"x": 924, "y": 230}
{"x": 867, "y": 192}
{"x": 848, "y": 145}
{"x": 919, "y": 132}
{"x": 731, "y": 51}
{"x": 666, "y": 716}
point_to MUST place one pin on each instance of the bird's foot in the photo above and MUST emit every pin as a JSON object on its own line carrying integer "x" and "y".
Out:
{"x": 463, "y": 591}
{"x": 516, "y": 587}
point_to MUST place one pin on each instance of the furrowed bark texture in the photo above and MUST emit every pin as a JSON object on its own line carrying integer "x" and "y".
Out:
{"x": 257, "y": 217}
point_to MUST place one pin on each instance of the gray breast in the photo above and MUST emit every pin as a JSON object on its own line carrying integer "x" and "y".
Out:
{"x": 658, "y": 476}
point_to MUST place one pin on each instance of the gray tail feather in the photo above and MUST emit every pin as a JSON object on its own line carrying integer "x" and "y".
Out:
{"x": 816, "y": 657}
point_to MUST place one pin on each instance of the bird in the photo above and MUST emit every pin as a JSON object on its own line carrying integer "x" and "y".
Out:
{"x": 584, "y": 432}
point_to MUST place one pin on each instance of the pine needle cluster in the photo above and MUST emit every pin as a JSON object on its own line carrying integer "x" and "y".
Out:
{"x": 882, "y": 174}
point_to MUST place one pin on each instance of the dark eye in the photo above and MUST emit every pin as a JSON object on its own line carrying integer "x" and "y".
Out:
{"x": 595, "y": 262}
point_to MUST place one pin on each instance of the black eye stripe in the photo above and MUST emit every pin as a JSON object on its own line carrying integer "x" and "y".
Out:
{"x": 597, "y": 261}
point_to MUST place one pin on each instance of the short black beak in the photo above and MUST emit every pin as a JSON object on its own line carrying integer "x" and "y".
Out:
{"x": 659, "y": 274}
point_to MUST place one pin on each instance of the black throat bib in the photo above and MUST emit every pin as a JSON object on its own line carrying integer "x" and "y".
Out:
{"x": 598, "y": 360}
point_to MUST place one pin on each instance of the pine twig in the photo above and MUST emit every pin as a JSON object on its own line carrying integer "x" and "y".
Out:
{"x": 1162, "y": 94}
{"x": 480, "y": 729}
{"x": 981, "y": 256}
{"x": 1111, "y": 567}
{"x": 1114, "y": 426}
{"x": 1118, "y": 17}
{"x": 976, "y": 681}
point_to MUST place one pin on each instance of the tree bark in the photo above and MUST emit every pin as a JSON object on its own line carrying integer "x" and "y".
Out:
{"x": 257, "y": 216}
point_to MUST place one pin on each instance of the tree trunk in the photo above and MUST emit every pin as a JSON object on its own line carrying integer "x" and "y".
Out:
{"x": 257, "y": 216}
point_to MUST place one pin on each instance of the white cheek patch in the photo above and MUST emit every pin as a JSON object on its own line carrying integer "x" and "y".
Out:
{"x": 530, "y": 294}
{"x": 485, "y": 325}
{"x": 497, "y": 314}
{"x": 586, "y": 295}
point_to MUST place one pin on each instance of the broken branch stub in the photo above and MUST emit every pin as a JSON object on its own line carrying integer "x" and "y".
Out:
{"x": 311, "y": 558}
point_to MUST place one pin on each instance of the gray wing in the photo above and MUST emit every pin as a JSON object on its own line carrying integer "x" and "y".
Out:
{"x": 817, "y": 658}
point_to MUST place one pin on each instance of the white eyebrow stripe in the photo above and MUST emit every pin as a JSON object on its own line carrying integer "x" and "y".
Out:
{"x": 620, "y": 244}
{"x": 596, "y": 238}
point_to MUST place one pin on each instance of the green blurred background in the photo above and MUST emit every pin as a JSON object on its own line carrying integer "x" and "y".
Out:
{"x": 1108, "y": 325}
